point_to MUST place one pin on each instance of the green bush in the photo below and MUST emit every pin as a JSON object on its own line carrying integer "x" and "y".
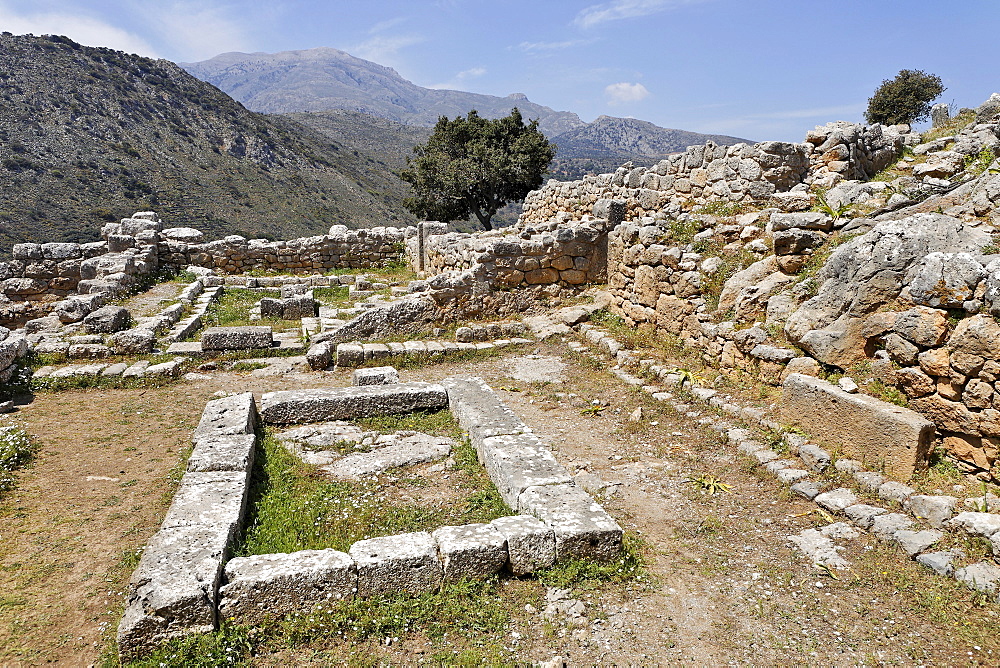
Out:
{"x": 905, "y": 99}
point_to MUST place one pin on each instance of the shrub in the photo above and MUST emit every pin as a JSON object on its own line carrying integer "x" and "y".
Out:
{"x": 905, "y": 99}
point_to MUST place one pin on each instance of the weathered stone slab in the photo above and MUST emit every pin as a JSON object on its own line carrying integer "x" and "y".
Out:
{"x": 271, "y": 586}
{"x": 185, "y": 348}
{"x": 915, "y": 542}
{"x": 983, "y": 576}
{"x": 885, "y": 526}
{"x": 866, "y": 428}
{"x": 223, "y": 453}
{"x": 235, "y": 414}
{"x": 894, "y": 491}
{"x": 983, "y": 524}
{"x": 209, "y": 499}
{"x": 935, "y": 509}
{"x": 172, "y": 592}
{"x": 836, "y": 500}
{"x": 531, "y": 544}
{"x": 940, "y": 562}
{"x": 863, "y": 515}
{"x": 518, "y": 461}
{"x": 391, "y": 564}
{"x": 473, "y": 551}
{"x": 406, "y": 451}
{"x": 480, "y": 411}
{"x": 582, "y": 528}
{"x": 378, "y": 375}
{"x": 297, "y": 406}
{"x": 237, "y": 338}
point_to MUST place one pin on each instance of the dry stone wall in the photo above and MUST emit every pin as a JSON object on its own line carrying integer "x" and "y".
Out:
{"x": 775, "y": 172}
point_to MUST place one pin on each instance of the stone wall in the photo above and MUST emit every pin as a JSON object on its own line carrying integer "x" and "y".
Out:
{"x": 775, "y": 172}
{"x": 340, "y": 249}
{"x": 567, "y": 252}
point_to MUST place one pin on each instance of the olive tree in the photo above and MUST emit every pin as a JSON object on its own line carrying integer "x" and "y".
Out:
{"x": 905, "y": 99}
{"x": 476, "y": 165}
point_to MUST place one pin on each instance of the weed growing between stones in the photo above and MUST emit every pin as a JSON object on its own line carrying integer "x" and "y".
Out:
{"x": 17, "y": 449}
{"x": 628, "y": 568}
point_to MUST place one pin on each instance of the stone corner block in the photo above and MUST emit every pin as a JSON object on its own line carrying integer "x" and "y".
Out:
{"x": 531, "y": 544}
{"x": 581, "y": 526}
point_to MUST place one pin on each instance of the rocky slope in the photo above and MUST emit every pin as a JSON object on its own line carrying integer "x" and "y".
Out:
{"x": 90, "y": 134}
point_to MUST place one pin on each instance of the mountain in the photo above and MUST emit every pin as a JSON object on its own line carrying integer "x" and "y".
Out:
{"x": 609, "y": 142}
{"x": 319, "y": 80}
{"x": 91, "y": 134}
{"x": 324, "y": 78}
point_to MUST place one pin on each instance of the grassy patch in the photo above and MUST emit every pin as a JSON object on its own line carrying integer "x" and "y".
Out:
{"x": 336, "y": 296}
{"x": 294, "y": 507}
{"x": 629, "y": 567}
{"x": 435, "y": 423}
{"x": 233, "y": 310}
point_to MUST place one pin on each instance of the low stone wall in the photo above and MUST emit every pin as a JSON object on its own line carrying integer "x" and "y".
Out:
{"x": 340, "y": 249}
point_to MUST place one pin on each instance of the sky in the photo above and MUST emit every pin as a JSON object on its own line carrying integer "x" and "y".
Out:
{"x": 755, "y": 69}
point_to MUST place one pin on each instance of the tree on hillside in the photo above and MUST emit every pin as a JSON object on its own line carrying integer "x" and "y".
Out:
{"x": 476, "y": 165}
{"x": 905, "y": 99}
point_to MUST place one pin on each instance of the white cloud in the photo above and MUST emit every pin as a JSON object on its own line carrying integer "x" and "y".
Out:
{"x": 459, "y": 79}
{"x": 624, "y": 92}
{"x": 195, "y": 30}
{"x": 540, "y": 47}
{"x": 385, "y": 25}
{"x": 593, "y": 15}
{"x": 382, "y": 49}
{"x": 84, "y": 29}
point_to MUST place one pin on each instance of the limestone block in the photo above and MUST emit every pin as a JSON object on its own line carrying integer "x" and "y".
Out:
{"x": 171, "y": 369}
{"x": 379, "y": 375}
{"x": 983, "y": 524}
{"x": 319, "y": 356}
{"x": 479, "y": 410}
{"x": 518, "y": 461}
{"x": 864, "y": 515}
{"x": 209, "y": 499}
{"x": 582, "y": 528}
{"x": 894, "y": 491}
{"x": 836, "y": 500}
{"x": 233, "y": 452}
{"x": 133, "y": 342}
{"x": 868, "y": 429}
{"x": 473, "y": 551}
{"x": 935, "y": 509}
{"x": 813, "y": 457}
{"x": 350, "y": 354}
{"x": 885, "y": 526}
{"x": 531, "y": 544}
{"x": 107, "y": 319}
{"x": 272, "y": 586}
{"x": 403, "y": 451}
{"x": 297, "y": 406}
{"x": 393, "y": 564}
{"x": 983, "y": 576}
{"x": 236, "y": 338}
{"x": 232, "y": 415}
{"x": 172, "y": 592}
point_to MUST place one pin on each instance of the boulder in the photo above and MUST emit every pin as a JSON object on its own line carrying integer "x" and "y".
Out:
{"x": 133, "y": 342}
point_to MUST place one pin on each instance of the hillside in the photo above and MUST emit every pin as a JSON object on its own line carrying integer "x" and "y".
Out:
{"x": 323, "y": 79}
{"x": 91, "y": 134}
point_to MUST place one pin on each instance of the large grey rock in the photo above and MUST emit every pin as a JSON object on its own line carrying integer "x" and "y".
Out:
{"x": 983, "y": 576}
{"x": 402, "y": 316}
{"x": 941, "y": 563}
{"x": 393, "y": 564}
{"x": 237, "y": 338}
{"x": 107, "y": 319}
{"x": 582, "y": 528}
{"x": 945, "y": 280}
{"x": 864, "y": 515}
{"x": 894, "y": 491}
{"x": 232, "y": 415}
{"x": 516, "y": 462}
{"x": 868, "y": 429}
{"x": 885, "y": 526}
{"x": 531, "y": 544}
{"x": 806, "y": 220}
{"x": 472, "y": 551}
{"x": 915, "y": 542}
{"x": 297, "y": 406}
{"x": 868, "y": 272}
{"x": 267, "y": 587}
{"x": 982, "y": 524}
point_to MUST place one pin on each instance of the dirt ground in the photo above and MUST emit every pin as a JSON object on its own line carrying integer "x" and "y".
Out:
{"x": 725, "y": 587}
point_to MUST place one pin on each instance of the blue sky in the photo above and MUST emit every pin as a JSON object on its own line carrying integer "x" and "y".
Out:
{"x": 760, "y": 69}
